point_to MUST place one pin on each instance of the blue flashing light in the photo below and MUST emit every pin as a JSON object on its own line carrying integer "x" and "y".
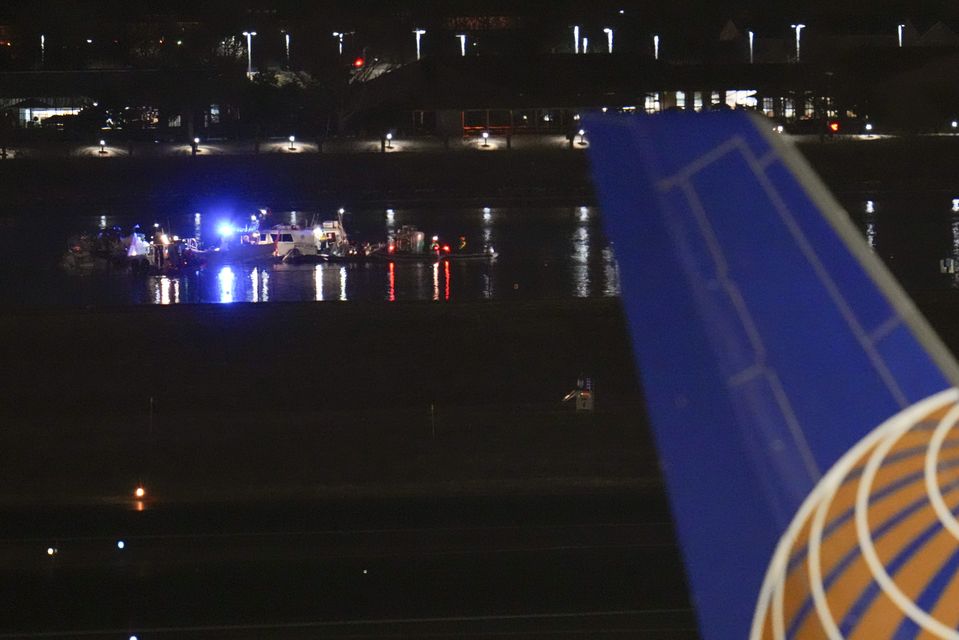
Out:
{"x": 225, "y": 229}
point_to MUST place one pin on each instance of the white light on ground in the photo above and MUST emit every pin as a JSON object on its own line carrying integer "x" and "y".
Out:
{"x": 249, "y": 51}
{"x": 798, "y": 28}
{"x": 419, "y": 34}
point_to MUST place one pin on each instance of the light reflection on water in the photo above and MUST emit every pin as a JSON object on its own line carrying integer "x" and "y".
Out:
{"x": 542, "y": 253}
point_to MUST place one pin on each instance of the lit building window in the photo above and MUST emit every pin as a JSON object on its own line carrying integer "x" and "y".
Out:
{"x": 715, "y": 98}
{"x": 741, "y": 98}
{"x": 769, "y": 107}
{"x": 789, "y": 108}
{"x": 681, "y": 99}
{"x": 697, "y": 101}
{"x": 653, "y": 103}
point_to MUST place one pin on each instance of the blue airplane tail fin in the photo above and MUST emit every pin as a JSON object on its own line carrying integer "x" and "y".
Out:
{"x": 772, "y": 345}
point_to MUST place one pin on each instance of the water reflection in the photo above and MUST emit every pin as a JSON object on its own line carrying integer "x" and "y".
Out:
{"x": 558, "y": 251}
{"x": 103, "y": 222}
{"x": 610, "y": 273}
{"x": 318, "y": 281}
{"x": 871, "y": 234}
{"x": 227, "y": 282}
{"x": 391, "y": 283}
{"x": 259, "y": 285}
{"x": 580, "y": 258}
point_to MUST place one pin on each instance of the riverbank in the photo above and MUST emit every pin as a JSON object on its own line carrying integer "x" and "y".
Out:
{"x": 298, "y": 401}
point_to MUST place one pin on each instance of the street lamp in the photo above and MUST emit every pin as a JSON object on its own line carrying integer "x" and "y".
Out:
{"x": 196, "y": 143}
{"x": 751, "y": 39}
{"x": 419, "y": 34}
{"x": 389, "y": 140}
{"x": 249, "y": 52}
{"x": 582, "y": 136}
{"x": 486, "y": 138}
{"x": 462, "y": 38}
{"x": 292, "y": 139}
{"x": 339, "y": 38}
{"x": 103, "y": 144}
{"x": 576, "y": 39}
{"x": 798, "y": 28}
{"x": 899, "y": 29}
{"x": 609, "y": 39}
{"x": 655, "y": 47}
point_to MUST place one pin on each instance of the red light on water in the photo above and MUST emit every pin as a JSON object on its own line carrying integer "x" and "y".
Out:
{"x": 358, "y": 63}
{"x": 392, "y": 249}
{"x": 446, "y": 248}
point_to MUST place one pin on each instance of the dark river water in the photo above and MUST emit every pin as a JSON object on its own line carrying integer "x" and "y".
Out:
{"x": 544, "y": 252}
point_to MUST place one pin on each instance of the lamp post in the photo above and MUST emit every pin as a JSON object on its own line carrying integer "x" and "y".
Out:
{"x": 195, "y": 145}
{"x": 576, "y": 39}
{"x": 655, "y": 47}
{"x": 292, "y": 139}
{"x": 389, "y": 140}
{"x": 798, "y": 28}
{"x": 486, "y": 138}
{"x": 609, "y": 39}
{"x": 249, "y": 52}
{"x": 103, "y": 144}
{"x": 582, "y": 136}
{"x": 462, "y": 39}
{"x": 899, "y": 29}
{"x": 419, "y": 34}
{"x": 43, "y": 49}
{"x": 751, "y": 40}
{"x": 339, "y": 39}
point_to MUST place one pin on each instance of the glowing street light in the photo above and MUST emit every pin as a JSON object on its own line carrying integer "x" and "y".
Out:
{"x": 798, "y": 28}
{"x": 419, "y": 34}
{"x": 751, "y": 39}
{"x": 609, "y": 39}
{"x": 139, "y": 492}
{"x": 339, "y": 38}
{"x": 103, "y": 144}
{"x": 899, "y": 29}
{"x": 486, "y": 138}
{"x": 389, "y": 140}
{"x": 292, "y": 139}
{"x": 655, "y": 47}
{"x": 462, "y": 39}
{"x": 249, "y": 51}
{"x": 582, "y": 136}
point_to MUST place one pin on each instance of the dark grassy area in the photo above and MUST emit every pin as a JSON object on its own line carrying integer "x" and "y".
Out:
{"x": 301, "y": 399}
